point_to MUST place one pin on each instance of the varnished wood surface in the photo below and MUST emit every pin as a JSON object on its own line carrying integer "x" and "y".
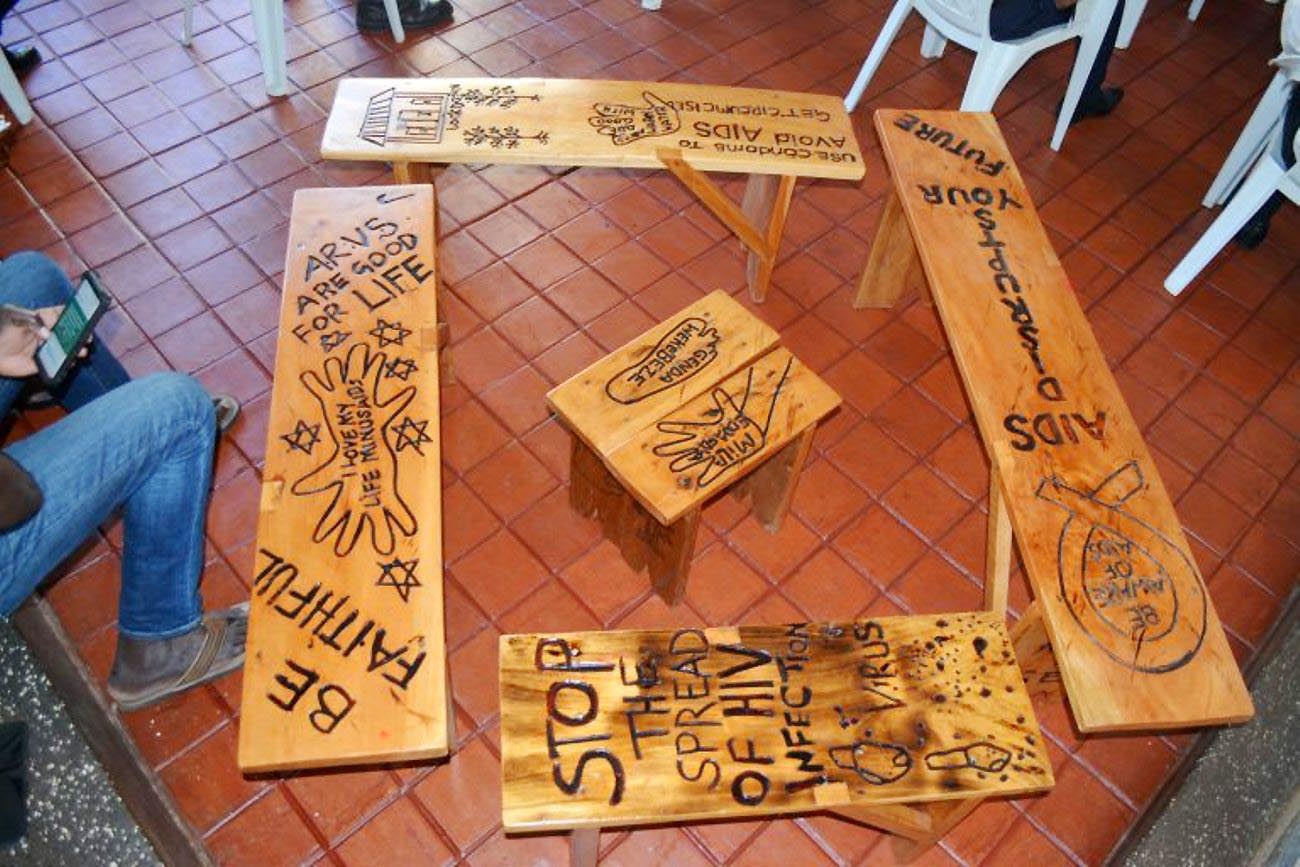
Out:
{"x": 573, "y": 122}
{"x": 346, "y": 655}
{"x": 1132, "y": 625}
{"x": 636, "y": 384}
{"x": 705, "y": 445}
{"x": 627, "y": 728}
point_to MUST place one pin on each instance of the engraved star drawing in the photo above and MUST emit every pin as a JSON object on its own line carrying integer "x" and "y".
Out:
{"x": 400, "y": 575}
{"x": 411, "y": 433}
{"x": 303, "y": 437}
{"x": 401, "y": 368}
{"x": 389, "y": 333}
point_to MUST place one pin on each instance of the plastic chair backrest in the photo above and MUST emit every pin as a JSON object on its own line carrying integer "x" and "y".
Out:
{"x": 971, "y": 16}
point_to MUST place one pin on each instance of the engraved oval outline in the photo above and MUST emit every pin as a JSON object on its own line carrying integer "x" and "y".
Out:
{"x": 712, "y": 346}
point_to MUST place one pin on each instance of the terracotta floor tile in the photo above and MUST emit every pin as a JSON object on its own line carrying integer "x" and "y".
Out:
{"x": 925, "y": 502}
{"x": 510, "y": 480}
{"x": 208, "y": 780}
{"x": 605, "y": 582}
{"x": 484, "y": 358}
{"x": 1136, "y": 764}
{"x": 721, "y": 585}
{"x": 1025, "y": 844}
{"x": 911, "y": 419}
{"x": 470, "y": 434}
{"x": 1082, "y": 814}
{"x": 534, "y": 326}
{"x": 550, "y": 850}
{"x": 456, "y": 794}
{"x": 862, "y": 382}
{"x": 782, "y": 843}
{"x": 551, "y": 608}
{"x": 269, "y": 831}
{"x": 554, "y": 531}
{"x": 1212, "y": 517}
{"x": 474, "y": 675}
{"x": 167, "y": 728}
{"x": 774, "y": 554}
{"x": 1244, "y": 606}
{"x": 499, "y": 573}
{"x": 880, "y": 545}
{"x": 826, "y": 587}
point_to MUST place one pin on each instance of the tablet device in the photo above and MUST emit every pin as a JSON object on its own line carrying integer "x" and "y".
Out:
{"x": 73, "y": 330}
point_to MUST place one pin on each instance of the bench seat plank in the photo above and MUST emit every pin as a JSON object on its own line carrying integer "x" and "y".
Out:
{"x": 634, "y": 386}
{"x": 717, "y": 438}
{"x": 572, "y": 122}
{"x": 1135, "y": 634}
{"x": 636, "y": 727}
{"x": 346, "y": 657}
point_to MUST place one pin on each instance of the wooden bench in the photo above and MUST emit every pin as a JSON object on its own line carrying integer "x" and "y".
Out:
{"x": 1118, "y": 595}
{"x": 346, "y": 657}
{"x": 613, "y": 729}
{"x": 775, "y": 137}
{"x": 702, "y": 403}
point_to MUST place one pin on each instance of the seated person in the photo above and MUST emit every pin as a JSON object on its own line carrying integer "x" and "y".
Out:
{"x": 23, "y": 60}
{"x": 1255, "y": 231}
{"x": 146, "y": 446}
{"x": 1010, "y": 20}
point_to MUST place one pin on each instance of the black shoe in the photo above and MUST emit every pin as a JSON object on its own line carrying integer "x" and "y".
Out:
{"x": 1098, "y": 105}
{"x": 1253, "y": 233}
{"x": 414, "y": 14}
{"x": 23, "y": 60}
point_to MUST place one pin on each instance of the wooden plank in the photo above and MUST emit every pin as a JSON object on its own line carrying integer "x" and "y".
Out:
{"x": 346, "y": 657}
{"x": 563, "y": 122}
{"x": 719, "y": 437}
{"x": 1139, "y": 643}
{"x": 635, "y": 385}
{"x": 637, "y": 727}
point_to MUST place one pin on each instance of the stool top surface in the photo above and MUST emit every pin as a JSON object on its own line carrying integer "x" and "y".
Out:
{"x": 573, "y": 122}
{"x": 637, "y": 727}
{"x": 692, "y": 405}
{"x": 1138, "y": 641}
{"x": 346, "y": 657}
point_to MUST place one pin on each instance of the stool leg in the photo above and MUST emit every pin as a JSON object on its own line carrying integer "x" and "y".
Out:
{"x": 584, "y": 847}
{"x": 893, "y": 265}
{"x": 668, "y": 552}
{"x": 997, "y": 575}
{"x": 770, "y": 488}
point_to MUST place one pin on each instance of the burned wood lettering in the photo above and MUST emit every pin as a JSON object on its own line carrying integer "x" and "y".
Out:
{"x": 651, "y": 726}
{"x": 346, "y": 661}
{"x": 948, "y": 143}
{"x": 687, "y": 348}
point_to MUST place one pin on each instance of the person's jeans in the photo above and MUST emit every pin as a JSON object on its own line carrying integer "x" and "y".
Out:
{"x": 147, "y": 445}
{"x": 32, "y": 280}
{"x": 1010, "y": 20}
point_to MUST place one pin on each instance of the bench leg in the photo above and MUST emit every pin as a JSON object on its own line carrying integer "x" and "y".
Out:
{"x": 766, "y": 205}
{"x": 944, "y": 816}
{"x": 997, "y": 574}
{"x": 770, "y": 488}
{"x": 1034, "y": 654}
{"x": 584, "y": 847}
{"x": 665, "y": 551}
{"x": 893, "y": 266}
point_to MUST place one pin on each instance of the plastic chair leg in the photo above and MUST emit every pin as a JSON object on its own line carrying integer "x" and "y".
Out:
{"x": 869, "y": 66}
{"x": 995, "y": 63}
{"x": 268, "y": 23}
{"x": 1194, "y": 9}
{"x": 932, "y": 43}
{"x": 395, "y": 20}
{"x": 1262, "y": 182}
{"x": 12, "y": 92}
{"x": 1132, "y": 16}
{"x": 1250, "y": 144}
{"x": 1090, "y": 40}
{"x": 187, "y": 22}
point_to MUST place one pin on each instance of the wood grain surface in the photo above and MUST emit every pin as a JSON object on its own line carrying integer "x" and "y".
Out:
{"x": 627, "y": 728}
{"x": 636, "y": 384}
{"x": 346, "y": 656}
{"x": 1132, "y": 625}
{"x": 570, "y": 122}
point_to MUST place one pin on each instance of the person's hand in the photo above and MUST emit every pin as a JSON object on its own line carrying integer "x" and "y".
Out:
{"x": 20, "y": 335}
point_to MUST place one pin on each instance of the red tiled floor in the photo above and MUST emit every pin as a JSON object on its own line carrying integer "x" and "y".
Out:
{"x": 170, "y": 171}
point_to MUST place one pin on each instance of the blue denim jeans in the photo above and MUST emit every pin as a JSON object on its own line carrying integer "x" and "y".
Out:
{"x": 146, "y": 446}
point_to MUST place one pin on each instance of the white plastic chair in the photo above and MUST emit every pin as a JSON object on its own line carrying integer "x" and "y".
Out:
{"x": 1267, "y": 177}
{"x": 1263, "y": 124}
{"x": 1133, "y": 10}
{"x": 12, "y": 92}
{"x": 966, "y": 22}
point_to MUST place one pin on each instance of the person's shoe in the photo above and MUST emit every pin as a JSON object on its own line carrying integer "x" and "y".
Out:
{"x": 148, "y": 670}
{"x": 23, "y": 60}
{"x": 1252, "y": 234}
{"x": 226, "y": 408}
{"x": 414, "y": 14}
{"x": 1100, "y": 105}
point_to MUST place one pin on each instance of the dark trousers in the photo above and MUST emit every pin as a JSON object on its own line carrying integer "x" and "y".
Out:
{"x": 1017, "y": 19}
{"x": 1290, "y": 123}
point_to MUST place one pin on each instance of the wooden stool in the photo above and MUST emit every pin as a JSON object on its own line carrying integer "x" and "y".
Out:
{"x": 614, "y": 729}
{"x": 1118, "y": 596}
{"x": 703, "y": 403}
{"x": 346, "y": 656}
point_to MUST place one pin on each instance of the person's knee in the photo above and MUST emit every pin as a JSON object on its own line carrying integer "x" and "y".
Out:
{"x": 179, "y": 401}
{"x": 36, "y": 280}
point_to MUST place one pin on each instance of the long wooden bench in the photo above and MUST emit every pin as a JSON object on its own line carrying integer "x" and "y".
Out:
{"x": 346, "y": 656}
{"x": 775, "y": 137}
{"x": 614, "y": 729}
{"x": 703, "y": 403}
{"x": 1118, "y": 595}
